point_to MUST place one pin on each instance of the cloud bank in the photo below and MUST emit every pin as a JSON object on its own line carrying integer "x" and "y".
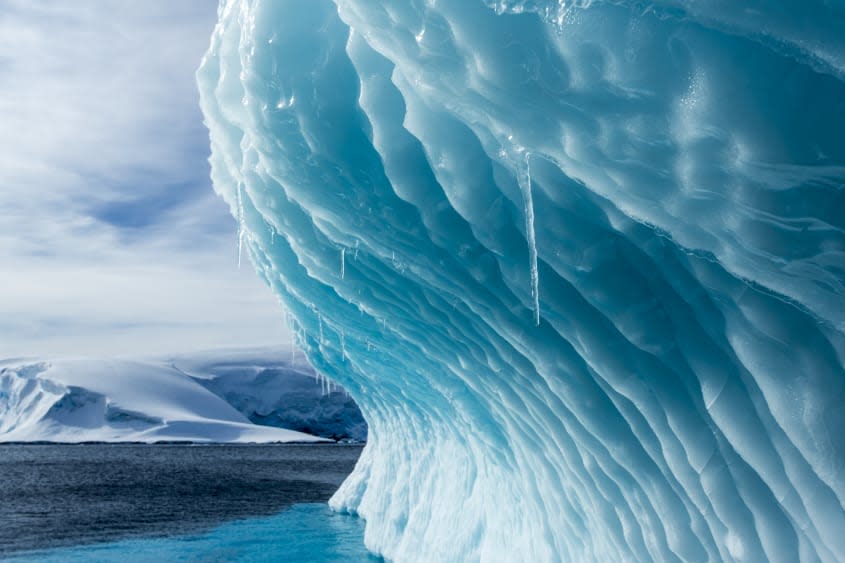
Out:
{"x": 111, "y": 239}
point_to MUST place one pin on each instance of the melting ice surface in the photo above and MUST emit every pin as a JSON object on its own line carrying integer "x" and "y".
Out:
{"x": 630, "y": 351}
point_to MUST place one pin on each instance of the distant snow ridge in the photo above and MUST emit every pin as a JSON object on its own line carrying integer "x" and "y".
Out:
{"x": 675, "y": 169}
{"x": 276, "y": 392}
{"x": 118, "y": 401}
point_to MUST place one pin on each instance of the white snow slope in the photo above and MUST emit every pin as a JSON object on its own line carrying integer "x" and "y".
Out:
{"x": 274, "y": 387}
{"x": 119, "y": 401}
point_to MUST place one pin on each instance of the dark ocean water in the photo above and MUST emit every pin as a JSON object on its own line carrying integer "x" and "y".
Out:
{"x": 58, "y": 496}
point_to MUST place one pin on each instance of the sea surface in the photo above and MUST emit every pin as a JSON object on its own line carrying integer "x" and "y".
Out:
{"x": 176, "y": 502}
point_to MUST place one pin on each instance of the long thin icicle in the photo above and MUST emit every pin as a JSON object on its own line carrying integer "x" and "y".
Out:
{"x": 292, "y": 343}
{"x": 342, "y": 263}
{"x": 524, "y": 179}
{"x": 241, "y": 229}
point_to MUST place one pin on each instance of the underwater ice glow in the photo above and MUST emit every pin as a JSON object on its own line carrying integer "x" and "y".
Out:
{"x": 581, "y": 265}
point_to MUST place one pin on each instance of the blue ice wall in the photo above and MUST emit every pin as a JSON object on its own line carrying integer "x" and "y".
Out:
{"x": 582, "y": 264}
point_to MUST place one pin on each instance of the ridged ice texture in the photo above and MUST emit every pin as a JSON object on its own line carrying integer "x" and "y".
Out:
{"x": 674, "y": 170}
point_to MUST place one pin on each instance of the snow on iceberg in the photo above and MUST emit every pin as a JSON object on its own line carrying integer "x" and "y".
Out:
{"x": 118, "y": 401}
{"x": 581, "y": 264}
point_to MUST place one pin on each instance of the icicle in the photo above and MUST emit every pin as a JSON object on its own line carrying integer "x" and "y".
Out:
{"x": 292, "y": 339}
{"x": 342, "y": 345}
{"x": 321, "y": 381}
{"x": 241, "y": 229}
{"x": 524, "y": 179}
{"x": 342, "y": 263}
{"x": 397, "y": 264}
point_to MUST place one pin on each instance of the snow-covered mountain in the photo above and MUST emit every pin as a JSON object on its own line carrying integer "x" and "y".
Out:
{"x": 273, "y": 389}
{"x": 149, "y": 401}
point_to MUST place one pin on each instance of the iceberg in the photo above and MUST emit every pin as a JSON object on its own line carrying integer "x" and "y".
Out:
{"x": 581, "y": 264}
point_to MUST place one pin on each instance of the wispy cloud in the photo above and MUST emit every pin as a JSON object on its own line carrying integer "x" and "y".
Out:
{"x": 111, "y": 240}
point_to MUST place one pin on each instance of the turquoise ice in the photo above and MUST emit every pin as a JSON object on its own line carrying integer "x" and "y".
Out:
{"x": 581, "y": 264}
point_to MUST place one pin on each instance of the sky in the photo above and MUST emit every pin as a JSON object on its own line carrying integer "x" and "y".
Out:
{"x": 112, "y": 242}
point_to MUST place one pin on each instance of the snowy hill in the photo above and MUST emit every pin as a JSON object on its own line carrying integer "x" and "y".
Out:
{"x": 118, "y": 400}
{"x": 270, "y": 388}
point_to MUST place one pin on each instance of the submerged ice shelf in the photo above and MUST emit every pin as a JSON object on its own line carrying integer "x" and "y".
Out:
{"x": 591, "y": 290}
